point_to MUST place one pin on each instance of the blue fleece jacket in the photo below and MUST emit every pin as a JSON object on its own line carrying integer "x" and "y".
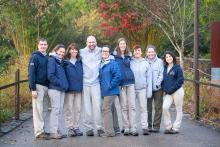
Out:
{"x": 110, "y": 77}
{"x": 37, "y": 70}
{"x": 173, "y": 80}
{"x": 74, "y": 74}
{"x": 56, "y": 74}
{"x": 127, "y": 76}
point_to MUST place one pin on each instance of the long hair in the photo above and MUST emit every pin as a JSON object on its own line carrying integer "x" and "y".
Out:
{"x": 117, "y": 49}
{"x": 171, "y": 54}
{"x": 72, "y": 46}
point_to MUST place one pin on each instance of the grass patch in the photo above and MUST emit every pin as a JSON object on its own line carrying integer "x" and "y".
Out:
{"x": 7, "y": 96}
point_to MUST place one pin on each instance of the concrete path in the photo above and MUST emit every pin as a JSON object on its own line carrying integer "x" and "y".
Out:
{"x": 191, "y": 134}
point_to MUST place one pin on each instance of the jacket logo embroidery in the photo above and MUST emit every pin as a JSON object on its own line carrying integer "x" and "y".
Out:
{"x": 172, "y": 73}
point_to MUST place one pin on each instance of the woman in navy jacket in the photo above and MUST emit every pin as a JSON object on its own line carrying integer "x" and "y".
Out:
{"x": 127, "y": 90}
{"x": 172, "y": 86}
{"x": 58, "y": 84}
{"x": 110, "y": 76}
{"x": 73, "y": 97}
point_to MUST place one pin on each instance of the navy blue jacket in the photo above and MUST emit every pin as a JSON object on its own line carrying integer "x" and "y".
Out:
{"x": 127, "y": 76}
{"x": 56, "y": 74}
{"x": 37, "y": 70}
{"x": 110, "y": 77}
{"x": 173, "y": 80}
{"x": 74, "y": 74}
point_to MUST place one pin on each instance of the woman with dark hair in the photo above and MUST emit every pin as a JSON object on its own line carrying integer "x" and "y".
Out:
{"x": 58, "y": 84}
{"x": 172, "y": 86}
{"x": 73, "y": 97}
{"x": 127, "y": 90}
{"x": 109, "y": 76}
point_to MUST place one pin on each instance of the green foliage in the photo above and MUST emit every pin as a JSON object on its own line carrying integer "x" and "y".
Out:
{"x": 6, "y": 53}
{"x": 5, "y": 114}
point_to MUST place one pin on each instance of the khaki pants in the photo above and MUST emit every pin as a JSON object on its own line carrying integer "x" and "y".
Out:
{"x": 40, "y": 107}
{"x": 72, "y": 109}
{"x": 56, "y": 114}
{"x": 107, "y": 107}
{"x": 127, "y": 101}
{"x": 177, "y": 98}
{"x": 141, "y": 97}
{"x": 92, "y": 103}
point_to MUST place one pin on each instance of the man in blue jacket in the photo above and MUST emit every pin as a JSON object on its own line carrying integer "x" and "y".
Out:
{"x": 37, "y": 76}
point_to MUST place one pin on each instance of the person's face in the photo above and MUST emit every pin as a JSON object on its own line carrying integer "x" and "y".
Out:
{"x": 73, "y": 53}
{"x": 169, "y": 59}
{"x": 42, "y": 46}
{"x": 91, "y": 43}
{"x": 137, "y": 53}
{"x": 105, "y": 53}
{"x": 151, "y": 53}
{"x": 61, "y": 52}
{"x": 122, "y": 46}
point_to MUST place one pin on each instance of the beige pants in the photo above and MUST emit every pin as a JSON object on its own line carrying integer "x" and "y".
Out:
{"x": 40, "y": 108}
{"x": 141, "y": 96}
{"x": 92, "y": 104}
{"x": 57, "y": 124}
{"x": 177, "y": 98}
{"x": 128, "y": 108}
{"x": 72, "y": 109}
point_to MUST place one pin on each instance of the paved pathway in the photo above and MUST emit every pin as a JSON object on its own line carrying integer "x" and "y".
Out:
{"x": 192, "y": 134}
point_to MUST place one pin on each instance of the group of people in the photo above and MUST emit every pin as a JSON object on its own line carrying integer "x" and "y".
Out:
{"x": 94, "y": 78}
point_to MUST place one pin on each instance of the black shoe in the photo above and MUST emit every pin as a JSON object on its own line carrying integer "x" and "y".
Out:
{"x": 167, "y": 131}
{"x": 122, "y": 131}
{"x": 71, "y": 133}
{"x": 117, "y": 132}
{"x": 171, "y": 131}
{"x": 90, "y": 133}
{"x": 134, "y": 133}
{"x": 78, "y": 132}
{"x": 156, "y": 130}
{"x": 146, "y": 132}
{"x": 126, "y": 133}
{"x": 99, "y": 132}
{"x": 150, "y": 129}
{"x": 43, "y": 136}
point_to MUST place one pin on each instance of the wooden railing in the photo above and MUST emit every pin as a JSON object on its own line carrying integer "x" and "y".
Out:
{"x": 17, "y": 92}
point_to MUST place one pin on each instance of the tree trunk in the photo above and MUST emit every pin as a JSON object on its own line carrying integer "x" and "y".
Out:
{"x": 181, "y": 58}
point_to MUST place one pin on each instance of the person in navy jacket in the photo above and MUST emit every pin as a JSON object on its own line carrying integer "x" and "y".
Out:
{"x": 73, "y": 97}
{"x": 123, "y": 57}
{"x": 58, "y": 85}
{"x": 172, "y": 86}
{"x": 110, "y": 77}
{"x": 38, "y": 83}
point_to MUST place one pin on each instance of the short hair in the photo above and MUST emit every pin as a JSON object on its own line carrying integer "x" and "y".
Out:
{"x": 108, "y": 46}
{"x": 41, "y": 39}
{"x": 73, "y": 46}
{"x": 171, "y": 54}
{"x": 58, "y": 46}
{"x": 137, "y": 46}
{"x": 151, "y": 46}
{"x": 127, "y": 50}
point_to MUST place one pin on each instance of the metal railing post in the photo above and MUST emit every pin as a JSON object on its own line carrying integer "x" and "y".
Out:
{"x": 17, "y": 95}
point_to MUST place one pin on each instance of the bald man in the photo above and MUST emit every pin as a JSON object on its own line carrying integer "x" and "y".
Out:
{"x": 91, "y": 59}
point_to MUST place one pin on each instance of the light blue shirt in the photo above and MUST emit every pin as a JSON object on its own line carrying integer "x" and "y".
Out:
{"x": 91, "y": 60}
